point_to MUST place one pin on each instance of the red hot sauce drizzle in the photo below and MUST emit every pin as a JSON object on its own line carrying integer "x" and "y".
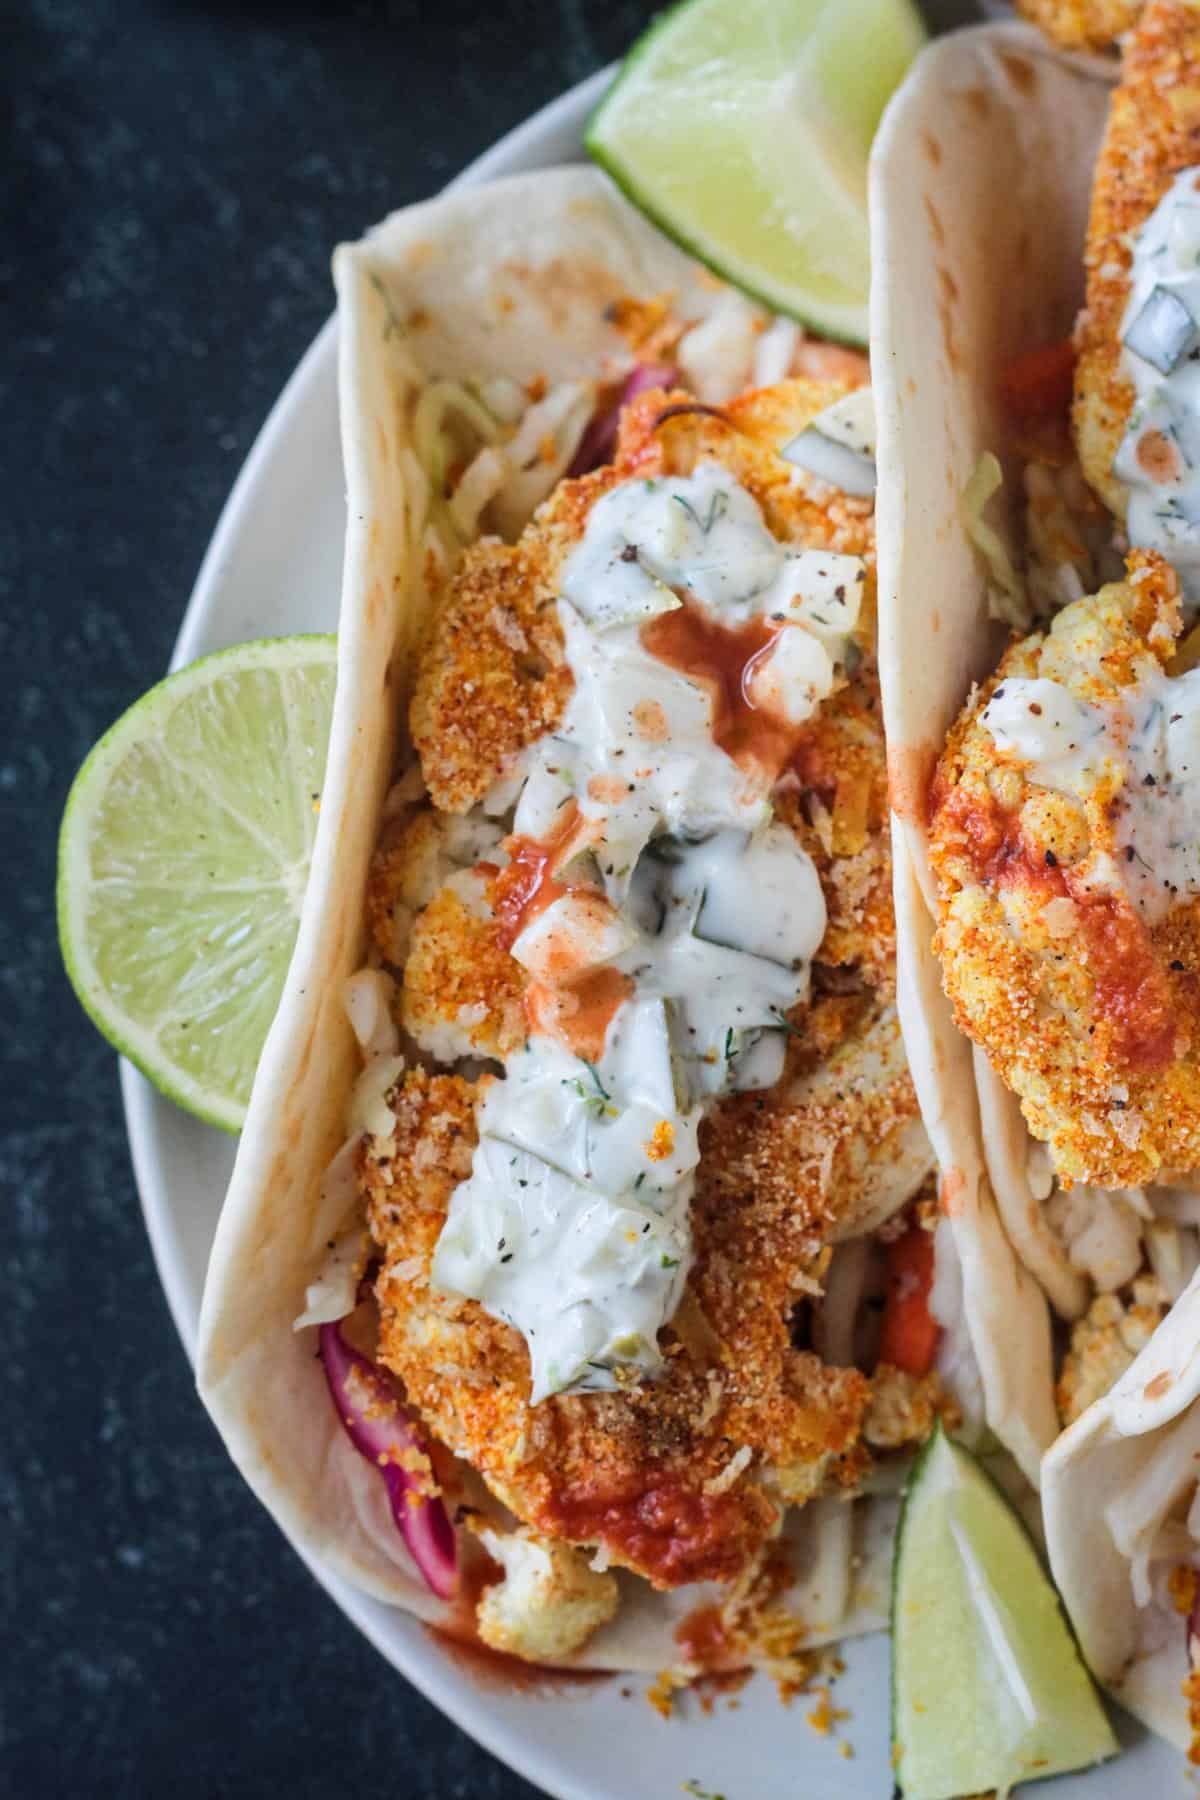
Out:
{"x": 579, "y": 1008}
{"x": 526, "y": 887}
{"x": 723, "y": 658}
{"x": 672, "y": 1531}
{"x": 1132, "y": 991}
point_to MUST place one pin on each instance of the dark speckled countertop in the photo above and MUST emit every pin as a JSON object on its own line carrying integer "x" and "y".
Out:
{"x": 175, "y": 175}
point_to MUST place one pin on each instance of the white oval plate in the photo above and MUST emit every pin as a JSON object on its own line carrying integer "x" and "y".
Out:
{"x": 274, "y": 566}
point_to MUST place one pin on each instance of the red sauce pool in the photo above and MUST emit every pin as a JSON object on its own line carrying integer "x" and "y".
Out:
{"x": 673, "y": 1532}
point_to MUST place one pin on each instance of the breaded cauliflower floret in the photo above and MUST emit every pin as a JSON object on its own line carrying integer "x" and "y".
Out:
{"x": 492, "y": 677}
{"x": 1087, "y": 1009}
{"x": 414, "y": 859}
{"x": 1153, "y": 134}
{"x": 463, "y": 993}
{"x": 1104, "y": 1343}
{"x": 1082, "y": 24}
{"x": 645, "y": 1471}
{"x": 550, "y": 1601}
{"x": 903, "y": 1408}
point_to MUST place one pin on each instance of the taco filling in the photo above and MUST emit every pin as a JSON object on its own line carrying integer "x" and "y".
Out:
{"x": 1061, "y": 831}
{"x": 651, "y": 1244}
{"x": 1063, "y": 822}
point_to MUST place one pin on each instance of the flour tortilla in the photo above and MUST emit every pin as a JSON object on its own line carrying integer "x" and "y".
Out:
{"x": 509, "y": 280}
{"x": 980, "y": 183}
{"x": 1135, "y": 1451}
{"x": 980, "y": 194}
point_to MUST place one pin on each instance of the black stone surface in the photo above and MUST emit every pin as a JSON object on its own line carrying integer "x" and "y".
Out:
{"x": 173, "y": 177}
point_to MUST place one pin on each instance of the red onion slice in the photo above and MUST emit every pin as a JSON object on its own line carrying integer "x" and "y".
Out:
{"x": 598, "y": 442}
{"x": 382, "y": 1430}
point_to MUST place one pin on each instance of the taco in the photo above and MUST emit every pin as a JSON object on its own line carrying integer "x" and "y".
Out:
{"x": 1040, "y": 554}
{"x": 576, "y": 1288}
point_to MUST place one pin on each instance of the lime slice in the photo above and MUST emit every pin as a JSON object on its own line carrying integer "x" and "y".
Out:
{"x": 182, "y": 863}
{"x": 743, "y": 126}
{"x": 988, "y": 1687}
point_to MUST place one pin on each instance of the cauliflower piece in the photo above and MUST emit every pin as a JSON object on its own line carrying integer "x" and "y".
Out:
{"x": 550, "y": 1600}
{"x": 1151, "y": 137}
{"x": 903, "y": 1408}
{"x": 493, "y": 678}
{"x": 1104, "y": 1343}
{"x": 1059, "y": 958}
{"x": 1101, "y": 1231}
{"x": 411, "y": 865}
{"x": 463, "y": 993}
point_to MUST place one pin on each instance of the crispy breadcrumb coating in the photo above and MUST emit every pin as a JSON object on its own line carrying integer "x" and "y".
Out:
{"x": 417, "y": 853}
{"x": 463, "y": 994}
{"x": 1049, "y": 967}
{"x": 836, "y": 803}
{"x": 1104, "y": 1343}
{"x": 1153, "y": 133}
{"x": 1082, "y": 24}
{"x": 492, "y": 678}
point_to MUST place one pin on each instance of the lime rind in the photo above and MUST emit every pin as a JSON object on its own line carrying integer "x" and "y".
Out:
{"x": 850, "y": 330}
{"x": 173, "y": 901}
{"x": 974, "y": 1607}
{"x": 729, "y": 113}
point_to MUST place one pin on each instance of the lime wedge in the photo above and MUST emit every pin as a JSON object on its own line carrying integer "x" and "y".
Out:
{"x": 743, "y": 126}
{"x": 988, "y": 1688}
{"x": 182, "y": 863}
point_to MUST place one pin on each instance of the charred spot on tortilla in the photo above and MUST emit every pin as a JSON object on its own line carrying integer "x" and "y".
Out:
{"x": 947, "y": 297}
{"x": 1021, "y": 72}
{"x": 910, "y": 775}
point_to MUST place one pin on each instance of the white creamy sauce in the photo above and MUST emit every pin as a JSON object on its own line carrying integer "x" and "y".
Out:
{"x": 1151, "y": 739}
{"x": 702, "y": 531}
{"x": 574, "y": 1224}
{"x": 1159, "y": 456}
{"x": 635, "y": 748}
{"x": 1060, "y": 741}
